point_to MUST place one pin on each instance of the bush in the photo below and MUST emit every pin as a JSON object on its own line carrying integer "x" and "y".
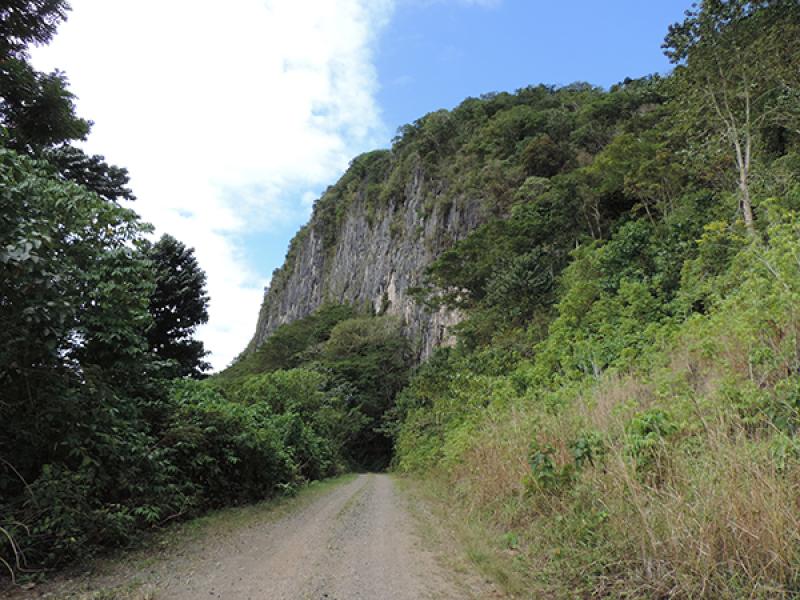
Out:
{"x": 232, "y": 452}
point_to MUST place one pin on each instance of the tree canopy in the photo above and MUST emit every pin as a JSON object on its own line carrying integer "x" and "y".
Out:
{"x": 178, "y": 304}
{"x": 26, "y": 22}
{"x": 737, "y": 77}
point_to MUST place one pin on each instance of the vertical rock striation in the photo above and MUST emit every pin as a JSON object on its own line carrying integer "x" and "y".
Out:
{"x": 367, "y": 246}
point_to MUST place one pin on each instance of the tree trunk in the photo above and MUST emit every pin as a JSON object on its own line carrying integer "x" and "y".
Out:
{"x": 743, "y": 164}
{"x": 747, "y": 207}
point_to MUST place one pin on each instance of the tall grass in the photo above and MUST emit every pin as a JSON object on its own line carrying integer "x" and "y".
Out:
{"x": 674, "y": 475}
{"x": 711, "y": 511}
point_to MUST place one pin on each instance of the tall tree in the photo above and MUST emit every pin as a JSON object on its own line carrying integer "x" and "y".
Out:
{"x": 74, "y": 291}
{"x": 25, "y": 22}
{"x": 37, "y": 111}
{"x": 737, "y": 74}
{"x": 92, "y": 172}
{"x": 178, "y": 305}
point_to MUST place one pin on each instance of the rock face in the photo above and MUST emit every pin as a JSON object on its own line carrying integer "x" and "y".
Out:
{"x": 371, "y": 257}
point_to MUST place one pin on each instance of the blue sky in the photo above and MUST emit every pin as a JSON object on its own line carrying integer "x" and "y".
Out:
{"x": 434, "y": 54}
{"x": 228, "y": 144}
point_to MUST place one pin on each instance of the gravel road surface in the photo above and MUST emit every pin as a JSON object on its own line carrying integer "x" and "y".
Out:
{"x": 356, "y": 542}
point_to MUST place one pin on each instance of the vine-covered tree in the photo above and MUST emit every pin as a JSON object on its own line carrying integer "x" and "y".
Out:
{"x": 178, "y": 305}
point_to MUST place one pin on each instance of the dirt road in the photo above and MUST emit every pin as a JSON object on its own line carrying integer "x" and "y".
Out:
{"x": 356, "y": 541}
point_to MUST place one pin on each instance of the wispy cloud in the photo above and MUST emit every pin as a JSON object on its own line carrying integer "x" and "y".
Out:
{"x": 219, "y": 110}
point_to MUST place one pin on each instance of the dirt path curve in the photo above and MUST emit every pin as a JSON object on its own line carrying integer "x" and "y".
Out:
{"x": 356, "y": 542}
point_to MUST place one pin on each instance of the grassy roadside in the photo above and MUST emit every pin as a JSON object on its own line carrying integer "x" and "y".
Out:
{"x": 464, "y": 543}
{"x": 690, "y": 494}
{"x": 130, "y": 574}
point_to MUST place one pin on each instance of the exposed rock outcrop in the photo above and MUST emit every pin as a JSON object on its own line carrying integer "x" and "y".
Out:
{"x": 369, "y": 248}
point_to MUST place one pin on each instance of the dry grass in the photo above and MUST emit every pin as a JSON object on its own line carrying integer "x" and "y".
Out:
{"x": 720, "y": 521}
{"x": 724, "y": 525}
{"x": 601, "y": 408}
{"x": 492, "y": 469}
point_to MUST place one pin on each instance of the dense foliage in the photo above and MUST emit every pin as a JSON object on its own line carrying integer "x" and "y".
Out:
{"x": 364, "y": 360}
{"x": 178, "y": 304}
{"x": 101, "y": 434}
{"x": 620, "y": 414}
{"x": 26, "y": 22}
{"x": 292, "y": 344}
{"x": 89, "y": 447}
{"x": 75, "y": 370}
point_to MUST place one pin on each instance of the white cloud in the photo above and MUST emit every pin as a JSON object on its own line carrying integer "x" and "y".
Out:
{"x": 218, "y": 109}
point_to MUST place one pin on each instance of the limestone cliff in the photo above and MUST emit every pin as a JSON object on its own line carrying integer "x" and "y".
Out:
{"x": 367, "y": 244}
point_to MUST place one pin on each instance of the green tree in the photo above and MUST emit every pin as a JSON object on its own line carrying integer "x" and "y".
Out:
{"x": 371, "y": 355}
{"x": 737, "y": 74}
{"x": 178, "y": 304}
{"x": 25, "y": 22}
{"x": 291, "y": 344}
{"x": 74, "y": 366}
{"x": 543, "y": 157}
{"x": 72, "y": 279}
{"x": 92, "y": 172}
{"x": 643, "y": 167}
{"x": 37, "y": 111}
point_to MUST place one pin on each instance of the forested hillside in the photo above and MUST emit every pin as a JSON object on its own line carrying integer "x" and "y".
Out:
{"x": 615, "y": 274}
{"x": 620, "y": 415}
{"x": 105, "y": 429}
